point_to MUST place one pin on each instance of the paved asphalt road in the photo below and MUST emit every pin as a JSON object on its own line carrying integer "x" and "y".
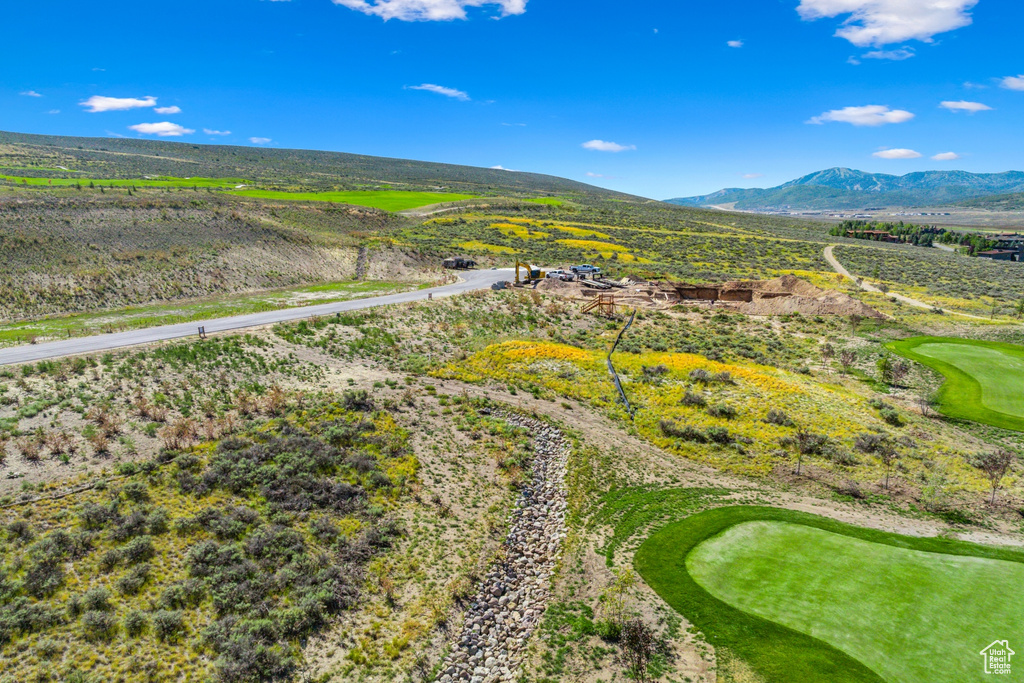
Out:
{"x": 472, "y": 280}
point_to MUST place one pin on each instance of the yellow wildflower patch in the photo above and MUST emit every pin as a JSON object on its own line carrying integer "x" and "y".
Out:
{"x": 477, "y": 245}
{"x": 582, "y": 232}
{"x": 521, "y": 231}
{"x": 521, "y": 350}
{"x": 593, "y": 245}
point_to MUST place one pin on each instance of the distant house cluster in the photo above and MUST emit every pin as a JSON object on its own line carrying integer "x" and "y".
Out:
{"x": 997, "y": 247}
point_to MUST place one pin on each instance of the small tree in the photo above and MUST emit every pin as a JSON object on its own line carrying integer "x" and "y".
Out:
{"x": 1019, "y": 309}
{"x": 899, "y": 372}
{"x": 889, "y": 455}
{"x": 926, "y": 403}
{"x": 828, "y": 352}
{"x": 995, "y": 465}
{"x": 855, "y": 321}
{"x": 847, "y": 358}
{"x": 638, "y": 647}
{"x": 885, "y": 365}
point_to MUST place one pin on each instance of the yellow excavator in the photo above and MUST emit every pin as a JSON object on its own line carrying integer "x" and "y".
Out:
{"x": 532, "y": 273}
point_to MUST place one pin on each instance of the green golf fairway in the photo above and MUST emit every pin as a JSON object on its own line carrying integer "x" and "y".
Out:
{"x": 798, "y": 598}
{"x": 389, "y": 200}
{"x": 984, "y": 380}
{"x": 911, "y": 616}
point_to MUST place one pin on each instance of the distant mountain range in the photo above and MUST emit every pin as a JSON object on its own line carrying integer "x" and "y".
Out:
{"x": 845, "y": 188}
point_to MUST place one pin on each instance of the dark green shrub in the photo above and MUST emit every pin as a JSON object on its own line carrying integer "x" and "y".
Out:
{"x": 138, "y": 550}
{"x": 777, "y": 417}
{"x": 100, "y": 625}
{"x": 168, "y": 624}
{"x": 722, "y": 410}
{"x": 135, "y": 623}
{"x": 136, "y": 491}
{"x": 132, "y": 582}
{"x": 96, "y": 599}
{"x": 719, "y": 435}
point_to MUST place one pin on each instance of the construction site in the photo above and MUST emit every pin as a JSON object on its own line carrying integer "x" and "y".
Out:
{"x": 784, "y": 295}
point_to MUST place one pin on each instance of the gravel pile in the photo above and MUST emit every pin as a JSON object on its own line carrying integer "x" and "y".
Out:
{"x": 512, "y": 597}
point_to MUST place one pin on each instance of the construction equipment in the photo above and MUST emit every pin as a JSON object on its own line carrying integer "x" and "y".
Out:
{"x": 532, "y": 273}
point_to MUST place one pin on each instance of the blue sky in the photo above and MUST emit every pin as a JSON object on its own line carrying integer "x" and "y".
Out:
{"x": 668, "y": 106}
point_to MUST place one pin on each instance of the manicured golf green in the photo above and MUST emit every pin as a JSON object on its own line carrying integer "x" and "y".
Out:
{"x": 984, "y": 380}
{"x": 802, "y": 599}
{"x": 389, "y": 200}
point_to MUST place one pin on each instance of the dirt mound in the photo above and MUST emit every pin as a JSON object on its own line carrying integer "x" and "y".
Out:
{"x": 825, "y": 303}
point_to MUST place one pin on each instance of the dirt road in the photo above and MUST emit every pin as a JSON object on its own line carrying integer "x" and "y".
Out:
{"x": 867, "y": 287}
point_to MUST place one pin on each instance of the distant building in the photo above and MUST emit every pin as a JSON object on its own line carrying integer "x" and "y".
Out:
{"x": 999, "y": 254}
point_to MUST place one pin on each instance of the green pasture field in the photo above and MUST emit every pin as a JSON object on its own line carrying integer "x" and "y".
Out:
{"x": 221, "y": 183}
{"x": 388, "y": 200}
{"x": 138, "y": 317}
{"x": 983, "y": 378}
{"x": 802, "y": 599}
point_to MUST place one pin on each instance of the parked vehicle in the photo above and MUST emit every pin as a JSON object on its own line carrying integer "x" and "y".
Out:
{"x": 586, "y": 269}
{"x": 558, "y": 274}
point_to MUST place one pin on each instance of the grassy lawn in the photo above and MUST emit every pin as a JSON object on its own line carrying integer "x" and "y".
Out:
{"x": 801, "y": 598}
{"x": 138, "y": 317}
{"x": 389, "y": 200}
{"x": 983, "y": 379}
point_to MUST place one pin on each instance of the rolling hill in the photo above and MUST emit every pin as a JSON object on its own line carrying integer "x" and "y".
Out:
{"x": 844, "y": 188}
{"x": 120, "y": 158}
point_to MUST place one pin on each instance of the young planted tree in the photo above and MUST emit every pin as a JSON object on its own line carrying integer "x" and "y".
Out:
{"x": 899, "y": 372}
{"x": 828, "y": 352}
{"x": 889, "y": 455}
{"x": 995, "y": 465}
{"x": 885, "y": 365}
{"x": 638, "y": 648}
{"x": 847, "y": 358}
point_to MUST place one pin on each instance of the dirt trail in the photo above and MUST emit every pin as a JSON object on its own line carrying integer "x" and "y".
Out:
{"x": 867, "y": 287}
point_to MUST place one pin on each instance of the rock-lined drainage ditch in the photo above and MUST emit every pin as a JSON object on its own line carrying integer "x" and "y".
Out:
{"x": 512, "y": 597}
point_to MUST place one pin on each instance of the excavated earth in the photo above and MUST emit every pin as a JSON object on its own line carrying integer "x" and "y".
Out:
{"x": 787, "y": 294}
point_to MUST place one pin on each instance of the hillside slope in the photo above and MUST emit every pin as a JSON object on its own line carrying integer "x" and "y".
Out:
{"x": 113, "y": 158}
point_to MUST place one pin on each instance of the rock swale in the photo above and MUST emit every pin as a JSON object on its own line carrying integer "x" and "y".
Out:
{"x": 511, "y": 599}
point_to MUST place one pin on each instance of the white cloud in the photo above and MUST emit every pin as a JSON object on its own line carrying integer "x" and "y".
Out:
{"x": 53, "y": 111}
{"x": 734, "y": 43}
{"x": 165, "y": 129}
{"x": 897, "y": 154}
{"x": 751, "y": 176}
{"x": 946, "y": 156}
{"x": 98, "y": 103}
{"x": 260, "y": 141}
{"x": 30, "y": 93}
{"x": 441, "y": 90}
{"x": 502, "y": 168}
{"x": 964, "y": 105}
{"x": 884, "y": 22}
{"x": 168, "y": 110}
{"x": 899, "y": 55}
{"x": 515, "y": 125}
{"x": 429, "y": 10}
{"x": 603, "y": 146}
{"x": 869, "y": 115}
{"x": 216, "y": 132}
{"x": 1013, "y": 82}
